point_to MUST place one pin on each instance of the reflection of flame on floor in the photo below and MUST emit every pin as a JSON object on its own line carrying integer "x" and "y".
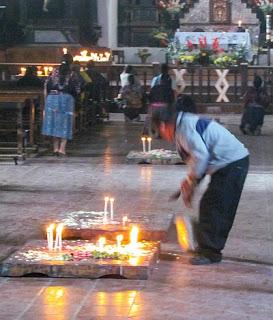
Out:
{"x": 182, "y": 234}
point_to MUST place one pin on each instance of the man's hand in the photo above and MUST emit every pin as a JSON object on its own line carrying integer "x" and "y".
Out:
{"x": 187, "y": 189}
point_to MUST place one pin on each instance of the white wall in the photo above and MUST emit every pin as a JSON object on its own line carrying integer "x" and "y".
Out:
{"x": 158, "y": 55}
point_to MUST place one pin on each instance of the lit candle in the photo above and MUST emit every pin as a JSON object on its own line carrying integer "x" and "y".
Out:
{"x": 268, "y": 27}
{"x": 49, "y": 232}
{"x": 64, "y": 50}
{"x": 239, "y": 23}
{"x": 101, "y": 242}
{"x": 143, "y": 139}
{"x": 149, "y": 139}
{"x": 46, "y": 71}
{"x": 112, "y": 208}
{"x": 106, "y": 200}
{"x": 119, "y": 240}
{"x": 124, "y": 221}
{"x": 134, "y": 237}
{"x": 23, "y": 71}
{"x": 58, "y": 239}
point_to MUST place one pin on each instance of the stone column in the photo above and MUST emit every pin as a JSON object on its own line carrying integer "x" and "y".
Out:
{"x": 108, "y": 19}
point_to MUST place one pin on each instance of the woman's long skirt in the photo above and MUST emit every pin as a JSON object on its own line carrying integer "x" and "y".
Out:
{"x": 58, "y": 117}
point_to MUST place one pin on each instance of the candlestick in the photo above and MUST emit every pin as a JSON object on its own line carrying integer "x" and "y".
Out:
{"x": 119, "y": 240}
{"x": 49, "y": 232}
{"x": 143, "y": 139}
{"x": 239, "y": 23}
{"x": 149, "y": 139}
{"x": 112, "y": 208}
{"x": 134, "y": 237}
{"x": 58, "y": 239}
{"x": 106, "y": 200}
{"x": 124, "y": 221}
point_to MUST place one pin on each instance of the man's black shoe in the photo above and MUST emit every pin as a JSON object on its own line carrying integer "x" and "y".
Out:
{"x": 202, "y": 260}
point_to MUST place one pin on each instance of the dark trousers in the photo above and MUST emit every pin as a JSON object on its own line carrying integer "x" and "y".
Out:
{"x": 253, "y": 117}
{"x": 218, "y": 207}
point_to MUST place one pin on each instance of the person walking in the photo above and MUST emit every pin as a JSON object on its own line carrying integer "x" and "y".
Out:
{"x": 62, "y": 88}
{"x": 208, "y": 148}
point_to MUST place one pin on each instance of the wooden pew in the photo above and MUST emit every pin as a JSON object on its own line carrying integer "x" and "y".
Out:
{"x": 14, "y": 101}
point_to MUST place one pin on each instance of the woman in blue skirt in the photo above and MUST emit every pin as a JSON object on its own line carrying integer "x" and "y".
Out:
{"x": 62, "y": 87}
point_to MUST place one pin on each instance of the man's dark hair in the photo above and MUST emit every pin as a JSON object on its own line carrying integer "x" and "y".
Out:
{"x": 164, "y": 68}
{"x": 131, "y": 79}
{"x": 68, "y": 58}
{"x": 128, "y": 69}
{"x": 257, "y": 82}
{"x": 166, "y": 115}
{"x": 185, "y": 103}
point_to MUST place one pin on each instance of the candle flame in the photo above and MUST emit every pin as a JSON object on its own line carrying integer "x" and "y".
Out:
{"x": 50, "y": 227}
{"x": 134, "y": 236}
{"x": 143, "y": 138}
{"x": 124, "y": 220}
{"x": 102, "y": 242}
{"x": 149, "y": 139}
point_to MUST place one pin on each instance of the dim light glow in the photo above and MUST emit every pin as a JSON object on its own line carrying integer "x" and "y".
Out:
{"x": 86, "y": 56}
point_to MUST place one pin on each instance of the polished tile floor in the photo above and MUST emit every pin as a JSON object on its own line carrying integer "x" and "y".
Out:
{"x": 43, "y": 188}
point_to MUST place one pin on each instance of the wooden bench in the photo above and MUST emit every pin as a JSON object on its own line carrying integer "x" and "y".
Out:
{"x": 14, "y": 101}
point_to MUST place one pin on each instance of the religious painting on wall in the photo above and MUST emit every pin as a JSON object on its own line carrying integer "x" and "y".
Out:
{"x": 220, "y": 11}
{"x": 50, "y": 9}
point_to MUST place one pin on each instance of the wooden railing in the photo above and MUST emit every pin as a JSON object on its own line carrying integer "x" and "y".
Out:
{"x": 209, "y": 85}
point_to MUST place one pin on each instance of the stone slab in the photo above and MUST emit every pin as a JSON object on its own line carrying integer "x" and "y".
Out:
{"x": 89, "y": 226}
{"x": 35, "y": 259}
{"x": 158, "y": 156}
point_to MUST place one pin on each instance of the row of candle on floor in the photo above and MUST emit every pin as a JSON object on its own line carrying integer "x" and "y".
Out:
{"x": 110, "y": 200}
{"x": 149, "y": 142}
{"x": 101, "y": 242}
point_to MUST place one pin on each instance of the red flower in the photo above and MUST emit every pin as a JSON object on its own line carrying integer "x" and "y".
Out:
{"x": 203, "y": 43}
{"x": 216, "y": 46}
{"x": 190, "y": 45}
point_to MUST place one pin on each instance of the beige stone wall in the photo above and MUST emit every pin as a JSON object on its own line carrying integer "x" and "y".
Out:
{"x": 198, "y": 17}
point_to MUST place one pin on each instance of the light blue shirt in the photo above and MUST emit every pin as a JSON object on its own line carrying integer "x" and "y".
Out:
{"x": 217, "y": 149}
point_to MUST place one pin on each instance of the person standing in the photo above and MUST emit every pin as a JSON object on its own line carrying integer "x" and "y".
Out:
{"x": 208, "y": 148}
{"x": 62, "y": 88}
{"x": 131, "y": 96}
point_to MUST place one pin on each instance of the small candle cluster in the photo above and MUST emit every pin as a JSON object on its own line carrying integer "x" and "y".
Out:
{"x": 58, "y": 238}
{"x": 86, "y": 56}
{"x": 42, "y": 71}
{"x": 106, "y": 201}
{"x": 129, "y": 248}
{"x": 149, "y": 141}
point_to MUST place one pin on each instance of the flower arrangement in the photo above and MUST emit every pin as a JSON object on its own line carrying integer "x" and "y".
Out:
{"x": 265, "y": 5}
{"x": 225, "y": 60}
{"x": 202, "y": 53}
{"x": 172, "y": 6}
{"x": 143, "y": 54}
